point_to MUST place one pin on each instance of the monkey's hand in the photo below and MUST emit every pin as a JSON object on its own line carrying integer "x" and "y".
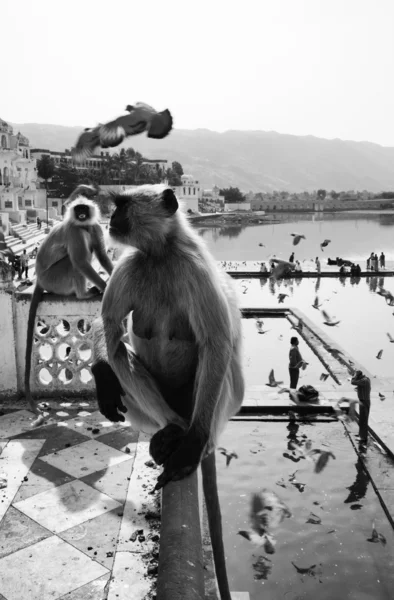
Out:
{"x": 109, "y": 392}
{"x": 183, "y": 460}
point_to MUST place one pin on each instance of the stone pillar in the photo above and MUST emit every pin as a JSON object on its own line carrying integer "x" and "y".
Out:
{"x": 8, "y": 372}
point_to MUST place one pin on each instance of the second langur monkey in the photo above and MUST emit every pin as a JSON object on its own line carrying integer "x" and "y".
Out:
{"x": 63, "y": 265}
{"x": 183, "y": 379}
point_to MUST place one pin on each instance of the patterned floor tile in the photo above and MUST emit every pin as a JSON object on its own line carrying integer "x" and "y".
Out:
{"x": 98, "y": 537}
{"x": 65, "y": 506}
{"x": 129, "y": 579}
{"x": 56, "y": 437}
{"x": 112, "y": 481}
{"x": 85, "y": 458}
{"x": 94, "y": 590}
{"x": 89, "y": 425}
{"x": 121, "y": 439}
{"x": 16, "y": 460}
{"x": 18, "y": 531}
{"x": 41, "y": 477}
{"x": 14, "y": 423}
{"x": 45, "y": 565}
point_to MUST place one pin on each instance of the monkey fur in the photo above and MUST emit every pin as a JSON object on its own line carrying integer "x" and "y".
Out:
{"x": 182, "y": 378}
{"x": 63, "y": 265}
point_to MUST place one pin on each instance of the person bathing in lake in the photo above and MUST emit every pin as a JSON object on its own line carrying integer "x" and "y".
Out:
{"x": 363, "y": 384}
{"x": 295, "y": 363}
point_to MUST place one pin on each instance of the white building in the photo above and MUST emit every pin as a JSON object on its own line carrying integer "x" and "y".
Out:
{"x": 189, "y": 193}
{"x": 211, "y": 201}
{"x": 18, "y": 174}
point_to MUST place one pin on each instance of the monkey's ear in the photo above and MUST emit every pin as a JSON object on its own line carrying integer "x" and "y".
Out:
{"x": 169, "y": 201}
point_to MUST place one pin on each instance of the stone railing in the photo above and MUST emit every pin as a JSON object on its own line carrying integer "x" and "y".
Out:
{"x": 62, "y": 349}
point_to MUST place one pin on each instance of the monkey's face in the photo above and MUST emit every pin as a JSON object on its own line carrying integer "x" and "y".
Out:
{"x": 143, "y": 216}
{"x": 82, "y": 213}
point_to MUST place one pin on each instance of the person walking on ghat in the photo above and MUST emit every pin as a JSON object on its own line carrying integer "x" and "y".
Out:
{"x": 295, "y": 363}
{"x": 363, "y": 384}
{"x": 382, "y": 260}
{"x": 291, "y": 259}
{"x": 38, "y": 223}
{"x": 24, "y": 265}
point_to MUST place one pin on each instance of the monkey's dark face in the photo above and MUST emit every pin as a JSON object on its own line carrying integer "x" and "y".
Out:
{"x": 82, "y": 212}
{"x": 143, "y": 216}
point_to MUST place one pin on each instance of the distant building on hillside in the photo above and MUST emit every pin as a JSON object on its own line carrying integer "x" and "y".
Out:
{"x": 189, "y": 193}
{"x": 93, "y": 163}
{"x": 18, "y": 174}
{"x": 211, "y": 201}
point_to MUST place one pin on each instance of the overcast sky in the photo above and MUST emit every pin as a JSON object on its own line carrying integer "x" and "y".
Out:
{"x": 318, "y": 67}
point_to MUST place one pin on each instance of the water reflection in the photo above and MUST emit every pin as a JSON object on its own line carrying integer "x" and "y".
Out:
{"x": 360, "y": 486}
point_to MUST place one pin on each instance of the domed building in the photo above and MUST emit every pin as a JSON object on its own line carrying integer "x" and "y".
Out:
{"x": 189, "y": 193}
{"x": 18, "y": 175}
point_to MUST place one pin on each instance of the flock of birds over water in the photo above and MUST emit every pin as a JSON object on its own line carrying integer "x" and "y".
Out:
{"x": 267, "y": 510}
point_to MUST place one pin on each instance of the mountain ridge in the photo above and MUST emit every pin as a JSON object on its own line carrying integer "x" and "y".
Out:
{"x": 252, "y": 159}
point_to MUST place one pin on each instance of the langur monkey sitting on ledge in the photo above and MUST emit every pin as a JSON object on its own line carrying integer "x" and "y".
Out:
{"x": 182, "y": 380}
{"x": 63, "y": 263}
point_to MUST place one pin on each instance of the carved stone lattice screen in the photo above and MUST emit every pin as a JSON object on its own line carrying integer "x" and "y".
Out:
{"x": 62, "y": 355}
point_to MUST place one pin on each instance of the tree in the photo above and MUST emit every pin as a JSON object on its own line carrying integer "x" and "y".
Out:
{"x": 45, "y": 170}
{"x": 334, "y": 195}
{"x": 177, "y": 168}
{"x": 232, "y": 195}
{"x": 321, "y": 194}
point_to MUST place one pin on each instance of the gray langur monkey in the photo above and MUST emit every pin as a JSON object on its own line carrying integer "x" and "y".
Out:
{"x": 63, "y": 264}
{"x": 182, "y": 379}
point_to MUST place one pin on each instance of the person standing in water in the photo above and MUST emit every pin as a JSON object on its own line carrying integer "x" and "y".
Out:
{"x": 382, "y": 260}
{"x": 295, "y": 363}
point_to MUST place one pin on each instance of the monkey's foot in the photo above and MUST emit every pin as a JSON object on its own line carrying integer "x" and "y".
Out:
{"x": 183, "y": 462}
{"x": 165, "y": 442}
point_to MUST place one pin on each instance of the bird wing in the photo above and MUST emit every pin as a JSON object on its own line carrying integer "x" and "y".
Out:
{"x": 271, "y": 377}
{"x": 160, "y": 125}
{"x": 390, "y": 337}
{"x": 86, "y": 144}
{"x": 326, "y": 315}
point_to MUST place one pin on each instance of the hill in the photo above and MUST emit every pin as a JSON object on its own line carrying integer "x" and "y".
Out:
{"x": 253, "y": 160}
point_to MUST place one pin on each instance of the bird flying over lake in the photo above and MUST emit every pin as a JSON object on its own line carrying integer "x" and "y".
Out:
{"x": 328, "y": 320}
{"x": 297, "y": 237}
{"x": 229, "y": 455}
{"x": 382, "y": 396}
{"x": 299, "y": 327}
{"x": 379, "y": 354}
{"x": 316, "y": 303}
{"x": 376, "y": 537}
{"x": 261, "y": 245}
{"x": 324, "y": 376}
{"x": 390, "y": 338}
{"x": 281, "y": 298}
{"x": 141, "y": 117}
{"x": 272, "y": 381}
{"x": 324, "y": 244}
{"x": 267, "y": 511}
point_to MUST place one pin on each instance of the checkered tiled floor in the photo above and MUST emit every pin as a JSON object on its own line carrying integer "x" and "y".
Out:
{"x": 73, "y": 494}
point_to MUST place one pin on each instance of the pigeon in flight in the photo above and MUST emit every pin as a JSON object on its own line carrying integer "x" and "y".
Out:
{"x": 324, "y": 244}
{"x": 141, "y": 117}
{"x": 328, "y": 320}
{"x": 297, "y": 237}
{"x": 272, "y": 381}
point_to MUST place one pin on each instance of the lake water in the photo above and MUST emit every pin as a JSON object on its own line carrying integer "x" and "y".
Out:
{"x": 365, "y": 318}
{"x": 347, "y": 566}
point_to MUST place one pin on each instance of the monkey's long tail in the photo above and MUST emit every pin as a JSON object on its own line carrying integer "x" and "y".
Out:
{"x": 36, "y": 298}
{"x": 208, "y": 469}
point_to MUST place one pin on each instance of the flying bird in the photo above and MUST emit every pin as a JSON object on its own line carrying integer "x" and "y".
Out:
{"x": 382, "y": 396}
{"x": 267, "y": 512}
{"x": 316, "y": 303}
{"x": 314, "y": 519}
{"x": 376, "y": 537}
{"x": 281, "y": 298}
{"x": 141, "y": 117}
{"x": 324, "y": 244}
{"x": 328, "y": 320}
{"x": 261, "y": 245}
{"x": 299, "y": 327}
{"x": 272, "y": 381}
{"x": 390, "y": 338}
{"x": 324, "y": 376}
{"x": 379, "y": 354}
{"x": 229, "y": 455}
{"x": 297, "y": 237}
